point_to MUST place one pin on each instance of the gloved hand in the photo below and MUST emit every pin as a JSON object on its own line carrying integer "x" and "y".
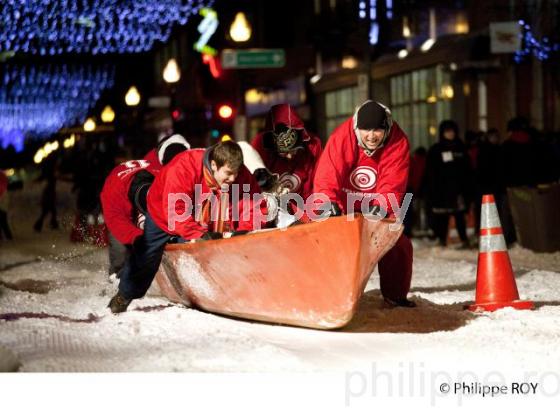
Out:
{"x": 271, "y": 206}
{"x": 174, "y": 239}
{"x": 265, "y": 178}
{"x": 335, "y": 209}
{"x": 140, "y": 220}
{"x": 208, "y": 236}
{"x": 328, "y": 209}
{"x": 374, "y": 209}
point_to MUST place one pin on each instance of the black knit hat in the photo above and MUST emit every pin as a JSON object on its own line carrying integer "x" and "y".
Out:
{"x": 371, "y": 116}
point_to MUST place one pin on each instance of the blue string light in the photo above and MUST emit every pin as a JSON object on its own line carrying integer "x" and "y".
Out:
{"x": 14, "y": 138}
{"x": 52, "y": 27}
{"x": 368, "y": 10}
{"x": 38, "y": 101}
{"x": 531, "y": 46}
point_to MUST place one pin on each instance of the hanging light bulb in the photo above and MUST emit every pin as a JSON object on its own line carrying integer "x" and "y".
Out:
{"x": 107, "y": 115}
{"x": 402, "y": 53}
{"x": 39, "y": 156}
{"x": 240, "y": 29}
{"x": 132, "y": 96}
{"x": 89, "y": 125}
{"x": 171, "y": 73}
{"x": 406, "y": 32}
{"x": 426, "y": 45}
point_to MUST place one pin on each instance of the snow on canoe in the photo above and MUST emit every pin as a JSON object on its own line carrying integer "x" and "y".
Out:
{"x": 309, "y": 275}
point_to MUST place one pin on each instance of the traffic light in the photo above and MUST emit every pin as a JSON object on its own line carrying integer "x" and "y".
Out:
{"x": 177, "y": 114}
{"x": 225, "y": 111}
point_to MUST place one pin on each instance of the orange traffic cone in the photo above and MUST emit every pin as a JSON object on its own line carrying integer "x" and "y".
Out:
{"x": 495, "y": 282}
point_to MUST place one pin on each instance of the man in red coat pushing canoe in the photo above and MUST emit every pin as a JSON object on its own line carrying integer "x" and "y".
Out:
{"x": 195, "y": 196}
{"x": 364, "y": 168}
{"x": 123, "y": 197}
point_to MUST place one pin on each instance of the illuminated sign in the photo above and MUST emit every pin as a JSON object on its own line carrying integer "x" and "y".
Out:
{"x": 207, "y": 28}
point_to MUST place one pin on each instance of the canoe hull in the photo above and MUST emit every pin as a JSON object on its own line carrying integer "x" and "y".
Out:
{"x": 310, "y": 275}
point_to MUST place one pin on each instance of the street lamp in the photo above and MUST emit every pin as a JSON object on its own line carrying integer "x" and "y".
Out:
{"x": 171, "y": 73}
{"x": 132, "y": 97}
{"x": 89, "y": 125}
{"x": 107, "y": 115}
{"x": 240, "y": 29}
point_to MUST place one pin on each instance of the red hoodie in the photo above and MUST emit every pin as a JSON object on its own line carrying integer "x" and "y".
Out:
{"x": 181, "y": 176}
{"x": 296, "y": 173}
{"x": 117, "y": 209}
{"x": 345, "y": 168}
{"x": 152, "y": 156}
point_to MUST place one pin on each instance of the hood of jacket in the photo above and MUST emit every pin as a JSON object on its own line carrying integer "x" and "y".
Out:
{"x": 285, "y": 114}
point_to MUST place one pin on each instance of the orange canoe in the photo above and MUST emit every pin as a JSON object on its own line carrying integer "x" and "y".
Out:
{"x": 310, "y": 275}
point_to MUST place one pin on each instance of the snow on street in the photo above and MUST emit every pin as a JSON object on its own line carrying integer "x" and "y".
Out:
{"x": 53, "y": 317}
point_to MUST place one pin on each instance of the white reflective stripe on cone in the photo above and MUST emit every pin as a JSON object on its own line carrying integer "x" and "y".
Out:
{"x": 489, "y": 216}
{"x": 492, "y": 243}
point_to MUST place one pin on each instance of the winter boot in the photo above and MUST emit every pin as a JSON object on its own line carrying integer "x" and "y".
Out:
{"x": 404, "y": 302}
{"x": 119, "y": 303}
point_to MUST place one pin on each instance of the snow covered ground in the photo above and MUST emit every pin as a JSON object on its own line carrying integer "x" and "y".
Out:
{"x": 53, "y": 317}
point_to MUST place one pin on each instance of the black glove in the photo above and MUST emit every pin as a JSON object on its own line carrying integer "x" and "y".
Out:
{"x": 239, "y": 233}
{"x": 265, "y": 179}
{"x": 209, "y": 236}
{"x": 139, "y": 190}
{"x": 335, "y": 209}
{"x": 328, "y": 209}
{"x": 374, "y": 209}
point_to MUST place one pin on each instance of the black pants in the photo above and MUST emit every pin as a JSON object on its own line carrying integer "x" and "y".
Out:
{"x": 142, "y": 265}
{"x": 118, "y": 254}
{"x": 440, "y": 225}
{"x": 4, "y": 227}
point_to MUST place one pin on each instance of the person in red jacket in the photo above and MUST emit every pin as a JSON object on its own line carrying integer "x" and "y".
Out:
{"x": 289, "y": 150}
{"x": 364, "y": 168}
{"x": 123, "y": 197}
{"x": 212, "y": 180}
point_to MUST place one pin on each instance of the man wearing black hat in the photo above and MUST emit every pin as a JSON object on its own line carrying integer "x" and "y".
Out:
{"x": 367, "y": 159}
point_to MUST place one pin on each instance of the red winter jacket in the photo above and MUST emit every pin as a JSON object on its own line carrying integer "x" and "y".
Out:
{"x": 297, "y": 173}
{"x": 152, "y": 156}
{"x": 344, "y": 168}
{"x": 117, "y": 209}
{"x": 181, "y": 176}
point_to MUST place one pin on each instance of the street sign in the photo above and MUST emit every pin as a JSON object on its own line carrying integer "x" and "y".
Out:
{"x": 505, "y": 37}
{"x": 253, "y": 58}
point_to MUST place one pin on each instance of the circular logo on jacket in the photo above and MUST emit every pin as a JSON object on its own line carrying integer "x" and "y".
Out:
{"x": 363, "y": 178}
{"x": 290, "y": 181}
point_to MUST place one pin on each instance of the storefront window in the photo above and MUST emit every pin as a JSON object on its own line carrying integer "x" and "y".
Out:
{"x": 420, "y": 100}
{"x": 339, "y": 105}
